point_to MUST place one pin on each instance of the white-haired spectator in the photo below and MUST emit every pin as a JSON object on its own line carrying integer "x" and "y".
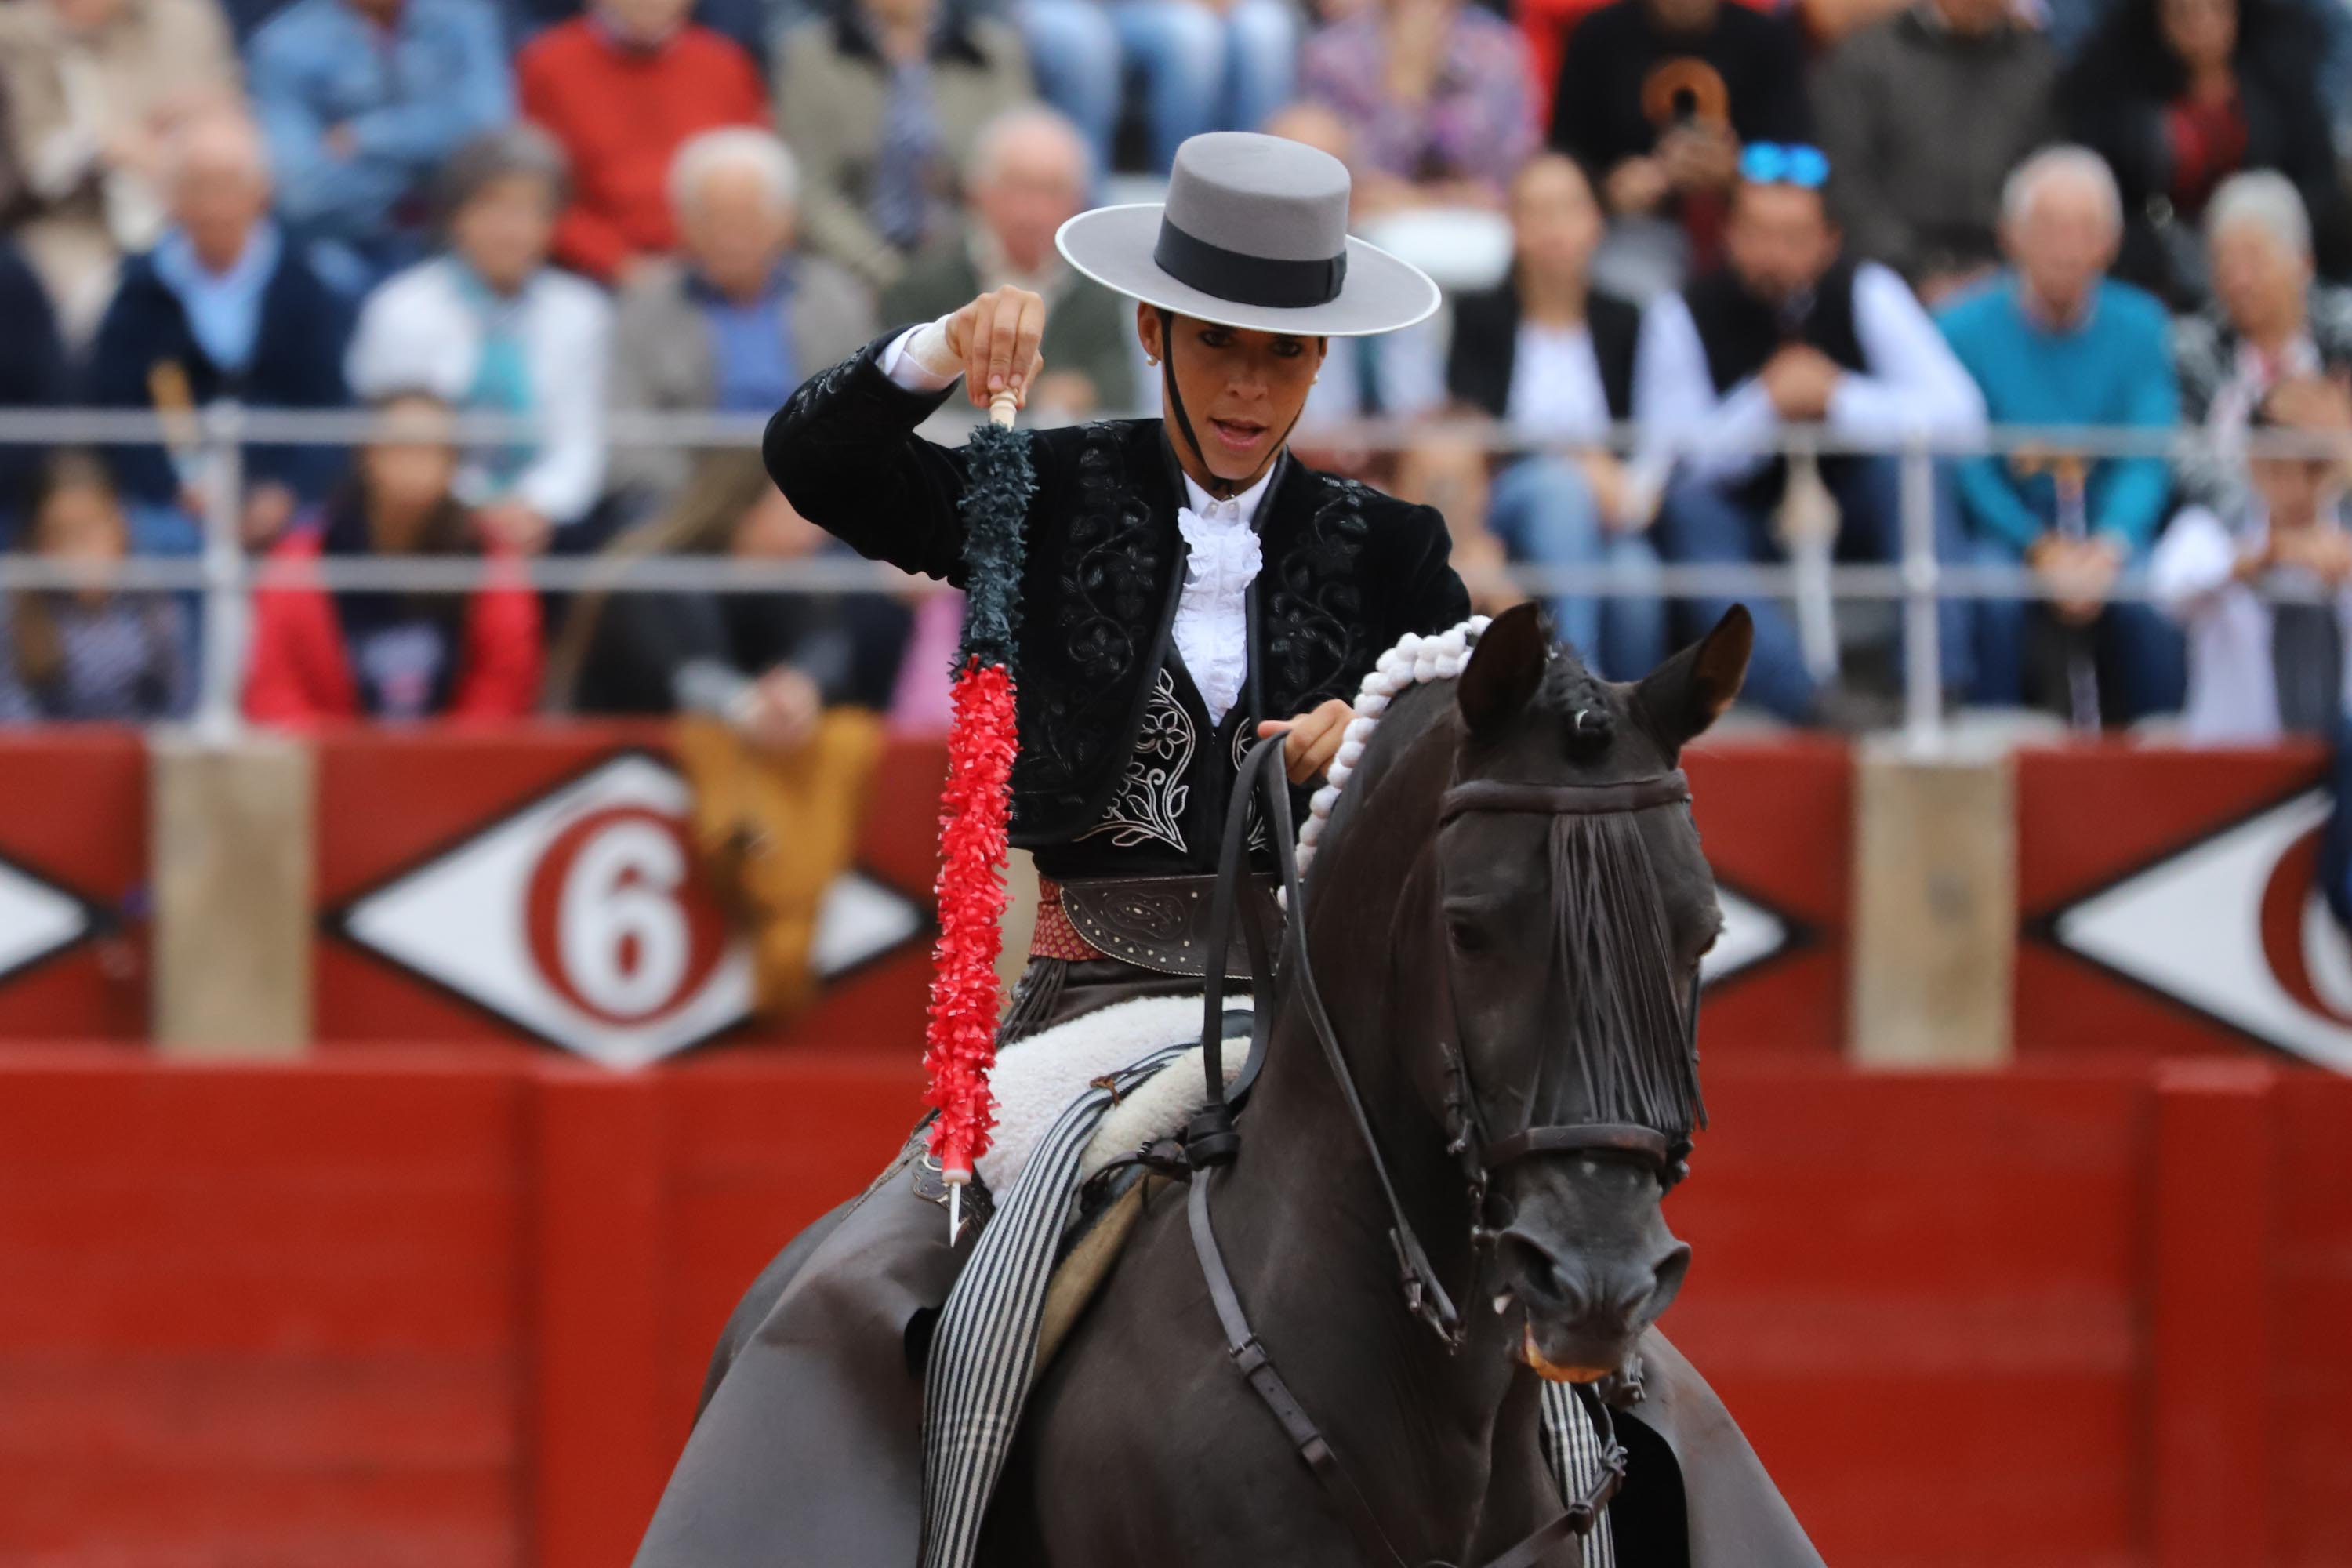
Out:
{"x": 1924, "y": 114}
{"x": 2054, "y": 341}
{"x": 489, "y": 327}
{"x": 2274, "y": 340}
{"x": 93, "y": 87}
{"x": 1029, "y": 173}
{"x": 741, "y": 317}
{"x": 223, "y": 307}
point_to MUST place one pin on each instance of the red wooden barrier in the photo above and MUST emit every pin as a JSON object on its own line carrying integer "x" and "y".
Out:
{"x": 73, "y": 876}
{"x": 2167, "y": 907}
{"x": 2308, "y": 1386}
{"x": 431, "y": 845}
{"x": 434, "y": 847}
{"x": 429, "y": 1309}
{"x": 2214, "y": 1297}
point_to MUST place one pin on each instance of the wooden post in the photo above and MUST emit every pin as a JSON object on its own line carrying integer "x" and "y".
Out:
{"x": 1935, "y": 909}
{"x": 233, "y": 849}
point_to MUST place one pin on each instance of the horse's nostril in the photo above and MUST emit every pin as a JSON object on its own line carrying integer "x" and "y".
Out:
{"x": 1552, "y": 1287}
{"x": 1626, "y": 1299}
{"x": 1667, "y": 1280}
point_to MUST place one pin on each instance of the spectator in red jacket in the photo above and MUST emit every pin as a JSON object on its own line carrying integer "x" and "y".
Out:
{"x": 319, "y": 656}
{"x": 623, "y": 88}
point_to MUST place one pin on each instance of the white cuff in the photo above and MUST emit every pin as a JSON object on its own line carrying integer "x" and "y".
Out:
{"x": 919, "y": 360}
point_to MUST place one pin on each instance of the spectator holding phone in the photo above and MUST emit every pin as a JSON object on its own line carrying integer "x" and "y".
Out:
{"x": 1656, "y": 97}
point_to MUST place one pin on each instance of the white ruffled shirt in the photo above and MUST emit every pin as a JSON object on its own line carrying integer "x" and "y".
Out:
{"x": 1212, "y": 628}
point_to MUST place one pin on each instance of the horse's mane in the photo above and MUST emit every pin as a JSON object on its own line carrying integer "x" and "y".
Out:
{"x": 1632, "y": 1044}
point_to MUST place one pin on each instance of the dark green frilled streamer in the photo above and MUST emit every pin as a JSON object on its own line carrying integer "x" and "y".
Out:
{"x": 999, "y": 481}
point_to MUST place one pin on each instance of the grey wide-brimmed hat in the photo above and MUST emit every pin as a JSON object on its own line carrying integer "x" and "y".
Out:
{"x": 1253, "y": 235}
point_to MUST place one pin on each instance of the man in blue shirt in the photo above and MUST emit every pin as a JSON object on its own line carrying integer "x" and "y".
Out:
{"x": 361, "y": 101}
{"x": 2053, "y": 341}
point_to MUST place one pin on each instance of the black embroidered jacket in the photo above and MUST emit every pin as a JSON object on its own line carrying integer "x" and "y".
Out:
{"x": 1347, "y": 572}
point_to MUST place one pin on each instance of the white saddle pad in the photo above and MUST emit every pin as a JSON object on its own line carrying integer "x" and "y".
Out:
{"x": 1035, "y": 1080}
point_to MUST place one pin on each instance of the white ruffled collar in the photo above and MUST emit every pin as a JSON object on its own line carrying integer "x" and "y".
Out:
{"x": 1223, "y": 557}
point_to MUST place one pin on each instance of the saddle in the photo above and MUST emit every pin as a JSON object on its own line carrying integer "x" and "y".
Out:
{"x": 1034, "y": 1081}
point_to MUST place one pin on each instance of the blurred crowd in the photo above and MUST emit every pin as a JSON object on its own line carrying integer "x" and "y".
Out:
{"x": 1702, "y": 220}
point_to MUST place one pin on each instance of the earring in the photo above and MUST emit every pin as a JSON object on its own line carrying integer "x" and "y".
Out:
{"x": 1153, "y": 360}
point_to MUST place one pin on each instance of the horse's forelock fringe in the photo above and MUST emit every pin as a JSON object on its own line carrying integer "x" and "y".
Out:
{"x": 1631, "y": 1040}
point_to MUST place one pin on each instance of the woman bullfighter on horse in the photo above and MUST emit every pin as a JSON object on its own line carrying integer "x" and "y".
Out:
{"x": 1190, "y": 586}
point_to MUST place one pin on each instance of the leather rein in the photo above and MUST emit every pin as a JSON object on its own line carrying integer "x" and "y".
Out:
{"x": 1212, "y": 1139}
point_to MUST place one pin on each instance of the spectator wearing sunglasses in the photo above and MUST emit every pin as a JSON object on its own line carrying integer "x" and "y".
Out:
{"x": 1790, "y": 332}
{"x": 1655, "y": 98}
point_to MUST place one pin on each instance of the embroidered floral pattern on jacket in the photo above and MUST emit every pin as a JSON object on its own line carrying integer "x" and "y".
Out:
{"x": 1150, "y": 806}
{"x": 1315, "y": 599}
{"x": 1110, "y": 573}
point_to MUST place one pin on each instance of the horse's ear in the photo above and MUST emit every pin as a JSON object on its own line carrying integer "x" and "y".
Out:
{"x": 1503, "y": 671}
{"x": 1690, "y": 691}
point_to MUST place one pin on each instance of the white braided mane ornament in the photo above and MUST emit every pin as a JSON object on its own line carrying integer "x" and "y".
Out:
{"x": 1414, "y": 660}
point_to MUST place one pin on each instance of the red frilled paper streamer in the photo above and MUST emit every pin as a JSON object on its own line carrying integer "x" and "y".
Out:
{"x": 961, "y": 1038}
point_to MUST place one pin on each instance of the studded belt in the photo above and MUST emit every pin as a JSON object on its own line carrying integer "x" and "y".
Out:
{"x": 1154, "y": 923}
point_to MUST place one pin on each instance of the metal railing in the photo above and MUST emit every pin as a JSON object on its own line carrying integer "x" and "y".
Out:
{"x": 226, "y": 576}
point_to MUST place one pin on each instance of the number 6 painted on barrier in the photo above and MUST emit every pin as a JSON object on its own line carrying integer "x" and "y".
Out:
{"x": 621, "y": 934}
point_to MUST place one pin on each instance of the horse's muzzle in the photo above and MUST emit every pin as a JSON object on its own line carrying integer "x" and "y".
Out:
{"x": 1585, "y": 1309}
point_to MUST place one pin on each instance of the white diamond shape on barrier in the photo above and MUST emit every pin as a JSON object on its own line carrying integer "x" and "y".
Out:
{"x": 2191, "y": 928}
{"x": 464, "y": 921}
{"x": 35, "y": 920}
{"x": 1750, "y": 934}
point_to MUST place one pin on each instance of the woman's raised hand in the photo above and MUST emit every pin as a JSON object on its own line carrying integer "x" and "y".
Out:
{"x": 995, "y": 338}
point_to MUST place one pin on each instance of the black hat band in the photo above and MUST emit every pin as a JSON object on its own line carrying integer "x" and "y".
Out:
{"x": 1248, "y": 280}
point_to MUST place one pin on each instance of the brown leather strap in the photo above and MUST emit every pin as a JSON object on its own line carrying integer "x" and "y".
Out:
{"x": 1241, "y": 1344}
{"x": 1563, "y": 800}
{"x": 1250, "y": 1357}
{"x": 1590, "y": 1137}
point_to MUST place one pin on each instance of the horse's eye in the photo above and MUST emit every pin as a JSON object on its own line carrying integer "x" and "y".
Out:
{"x": 1469, "y": 935}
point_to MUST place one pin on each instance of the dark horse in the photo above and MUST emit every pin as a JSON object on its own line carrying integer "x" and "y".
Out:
{"x": 1558, "y": 951}
{"x": 1509, "y": 907}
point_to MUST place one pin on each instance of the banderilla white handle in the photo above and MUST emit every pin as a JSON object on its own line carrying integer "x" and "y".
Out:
{"x": 1002, "y": 407}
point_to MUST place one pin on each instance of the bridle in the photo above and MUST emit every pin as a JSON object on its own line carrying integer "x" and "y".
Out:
{"x": 1212, "y": 1139}
{"x": 1483, "y": 1154}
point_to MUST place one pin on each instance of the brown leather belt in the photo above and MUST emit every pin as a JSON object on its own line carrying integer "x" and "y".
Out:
{"x": 1154, "y": 923}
